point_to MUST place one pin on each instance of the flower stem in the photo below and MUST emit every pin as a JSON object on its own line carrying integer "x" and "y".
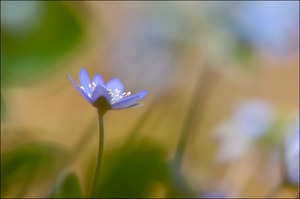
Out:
{"x": 198, "y": 100}
{"x": 95, "y": 184}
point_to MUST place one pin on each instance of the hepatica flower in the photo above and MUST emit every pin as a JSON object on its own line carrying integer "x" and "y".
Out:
{"x": 104, "y": 96}
{"x": 249, "y": 121}
{"x": 109, "y": 95}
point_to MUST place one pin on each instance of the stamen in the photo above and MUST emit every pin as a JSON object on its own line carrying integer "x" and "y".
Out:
{"x": 92, "y": 86}
{"x": 87, "y": 93}
{"x": 115, "y": 95}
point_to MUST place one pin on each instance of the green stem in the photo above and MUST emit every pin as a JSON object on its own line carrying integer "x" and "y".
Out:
{"x": 198, "y": 100}
{"x": 95, "y": 184}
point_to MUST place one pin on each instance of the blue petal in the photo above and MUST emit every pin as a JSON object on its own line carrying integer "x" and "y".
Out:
{"x": 84, "y": 80}
{"x": 129, "y": 101}
{"x": 142, "y": 94}
{"x": 100, "y": 91}
{"x": 115, "y": 83}
{"x": 125, "y": 102}
{"x": 84, "y": 95}
{"x": 98, "y": 79}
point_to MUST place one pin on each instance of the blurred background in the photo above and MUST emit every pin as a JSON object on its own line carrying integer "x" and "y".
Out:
{"x": 223, "y": 101}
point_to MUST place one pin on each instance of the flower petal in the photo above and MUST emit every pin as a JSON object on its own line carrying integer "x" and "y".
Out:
{"x": 135, "y": 105}
{"x": 100, "y": 91}
{"x": 142, "y": 94}
{"x": 125, "y": 102}
{"x": 98, "y": 79}
{"x": 129, "y": 101}
{"x": 115, "y": 83}
{"x": 85, "y": 80}
{"x": 84, "y": 95}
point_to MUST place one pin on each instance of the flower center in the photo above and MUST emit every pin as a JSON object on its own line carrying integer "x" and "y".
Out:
{"x": 114, "y": 94}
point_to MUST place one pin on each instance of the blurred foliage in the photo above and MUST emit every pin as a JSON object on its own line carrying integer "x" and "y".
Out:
{"x": 67, "y": 186}
{"x": 3, "y": 108}
{"x": 245, "y": 55}
{"x": 275, "y": 135}
{"x": 33, "y": 43}
{"x": 135, "y": 171}
{"x": 27, "y": 165}
{"x": 151, "y": 44}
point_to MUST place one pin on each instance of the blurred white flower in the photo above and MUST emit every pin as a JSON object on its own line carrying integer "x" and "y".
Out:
{"x": 249, "y": 121}
{"x": 292, "y": 155}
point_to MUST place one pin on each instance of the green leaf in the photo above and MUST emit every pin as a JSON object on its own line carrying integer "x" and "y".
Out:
{"x": 35, "y": 36}
{"x": 67, "y": 186}
{"x": 131, "y": 171}
{"x": 134, "y": 171}
{"x": 27, "y": 165}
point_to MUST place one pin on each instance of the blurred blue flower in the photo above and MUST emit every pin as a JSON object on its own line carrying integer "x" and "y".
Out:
{"x": 112, "y": 91}
{"x": 248, "y": 30}
{"x": 253, "y": 117}
{"x": 270, "y": 26}
{"x": 292, "y": 155}
{"x": 151, "y": 44}
{"x": 248, "y": 122}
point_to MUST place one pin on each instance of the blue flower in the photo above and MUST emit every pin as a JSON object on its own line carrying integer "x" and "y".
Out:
{"x": 109, "y": 95}
{"x": 271, "y": 26}
{"x": 250, "y": 121}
